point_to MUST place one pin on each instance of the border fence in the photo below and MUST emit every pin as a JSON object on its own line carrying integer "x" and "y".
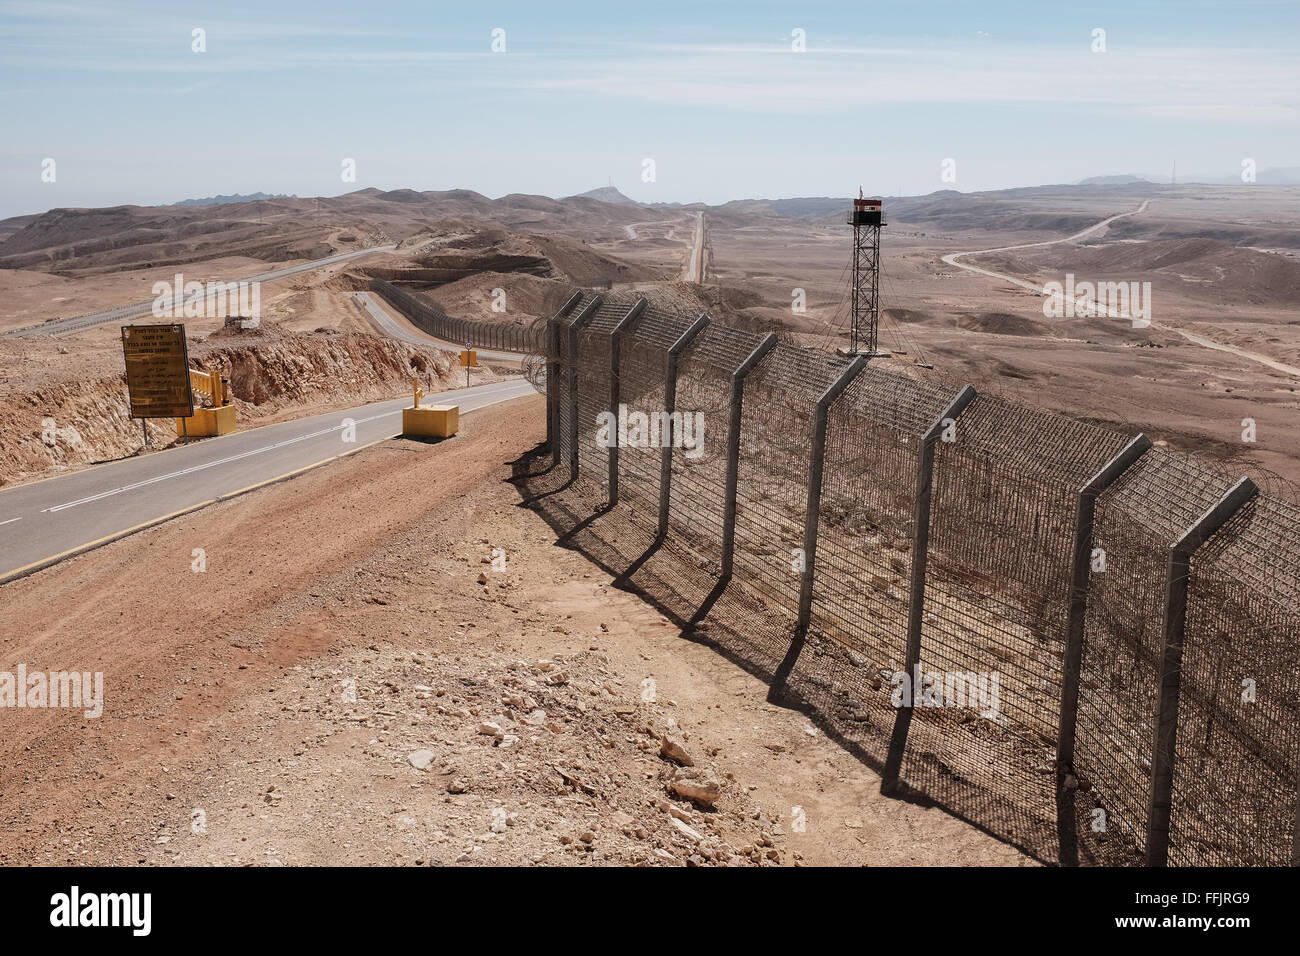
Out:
{"x": 430, "y": 319}
{"x": 1082, "y": 643}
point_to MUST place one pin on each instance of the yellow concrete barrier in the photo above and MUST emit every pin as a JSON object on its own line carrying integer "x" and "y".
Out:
{"x": 207, "y": 421}
{"x": 431, "y": 421}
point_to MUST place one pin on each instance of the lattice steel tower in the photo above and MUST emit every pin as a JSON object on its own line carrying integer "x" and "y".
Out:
{"x": 865, "y": 315}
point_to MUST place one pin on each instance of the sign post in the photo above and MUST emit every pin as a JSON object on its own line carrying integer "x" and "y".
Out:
{"x": 157, "y": 372}
{"x": 469, "y": 359}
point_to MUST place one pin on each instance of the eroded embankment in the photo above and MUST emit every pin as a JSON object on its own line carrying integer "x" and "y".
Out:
{"x": 63, "y": 421}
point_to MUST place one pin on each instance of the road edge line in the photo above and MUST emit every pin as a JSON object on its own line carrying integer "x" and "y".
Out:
{"x": 40, "y": 565}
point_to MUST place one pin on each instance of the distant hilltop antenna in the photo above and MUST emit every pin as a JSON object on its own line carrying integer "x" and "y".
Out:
{"x": 866, "y": 220}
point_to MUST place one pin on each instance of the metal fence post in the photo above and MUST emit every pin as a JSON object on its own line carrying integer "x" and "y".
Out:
{"x": 553, "y": 388}
{"x": 1171, "y": 665}
{"x": 552, "y": 346}
{"x": 670, "y": 406}
{"x": 1080, "y": 574}
{"x": 615, "y": 341}
{"x": 575, "y": 326}
{"x": 916, "y": 589}
{"x": 812, "y": 520}
{"x": 733, "y": 449}
{"x": 816, "y": 469}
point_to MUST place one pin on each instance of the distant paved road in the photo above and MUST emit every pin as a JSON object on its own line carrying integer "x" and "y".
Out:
{"x": 379, "y": 311}
{"x": 693, "y": 271}
{"x": 136, "y": 309}
{"x": 52, "y": 519}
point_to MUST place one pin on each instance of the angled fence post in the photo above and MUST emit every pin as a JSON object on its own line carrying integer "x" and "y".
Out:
{"x": 670, "y": 407}
{"x": 916, "y": 588}
{"x": 1080, "y": 575}
{"x": 1171, "y": 664}
{"x": 812, "y": 520}
{"x": 575, "y": 327}
{"x": 615, "y": 342}
{"x": 733, "y": 449}
{"x": 816, "y": 469}
{"x": 552, "y": 347}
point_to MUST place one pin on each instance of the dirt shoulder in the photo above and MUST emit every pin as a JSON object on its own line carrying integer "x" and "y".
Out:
{"x": 352, "y": 680}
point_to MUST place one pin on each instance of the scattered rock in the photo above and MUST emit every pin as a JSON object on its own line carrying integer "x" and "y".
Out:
{"x": 686, "y": 830}
{"x": 421, "y": 759}
{"x": 672, "y": 750}
{"x": 698, "y": 786}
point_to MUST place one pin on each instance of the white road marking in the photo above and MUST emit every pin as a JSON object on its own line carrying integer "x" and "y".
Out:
{"x": 212, "y": 464}
{"x": 11, "y": 520}
{"x": 489, "y": 390}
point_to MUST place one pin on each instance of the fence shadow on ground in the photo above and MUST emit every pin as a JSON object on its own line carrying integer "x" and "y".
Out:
{"x": 668, "y": 576}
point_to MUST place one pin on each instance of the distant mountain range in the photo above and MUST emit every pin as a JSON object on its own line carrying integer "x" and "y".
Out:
{"x": 1274, "y": 176}
{"x": 221, "y": 200}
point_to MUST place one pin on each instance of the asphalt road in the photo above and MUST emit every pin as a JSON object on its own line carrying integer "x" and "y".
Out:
{"x": 137, "y": 309}
{"x": 693, "y": 270}
{"x": 379, "y": 311}
{"x": 55, "y": 518}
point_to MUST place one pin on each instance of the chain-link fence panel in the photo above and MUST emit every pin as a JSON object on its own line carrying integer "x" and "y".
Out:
{"x": 1235, "y": 759}
{"x": 864, "y": 550}
{"x": 643, "y": 369}
{"x": 984, "y": 733}
{"x": 427, "y": 317}
{"x": 1137, "y": 521}
{"x": 697, "y": 495}
{"x": 597, "y": 421}
{"x": 776, "y": 438}
{"x": 1001, "y": 536}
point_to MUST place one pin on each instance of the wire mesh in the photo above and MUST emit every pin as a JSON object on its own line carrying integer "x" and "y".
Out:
{"x": 864, "y": 549}
{"x": 427, "y": 317}
{"x": 776, "y": 436}
{"x": 1239, "y": 709}
{"x": 697, "y": 496}
{"x": 1137, "y": 521}
{"x": 995, "y": 614}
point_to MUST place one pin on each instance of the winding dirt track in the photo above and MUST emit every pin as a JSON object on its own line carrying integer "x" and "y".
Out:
{"x": 954, "y": 259}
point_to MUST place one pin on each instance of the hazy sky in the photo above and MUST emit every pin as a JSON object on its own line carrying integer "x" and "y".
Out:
{"x": 713, "y": 93}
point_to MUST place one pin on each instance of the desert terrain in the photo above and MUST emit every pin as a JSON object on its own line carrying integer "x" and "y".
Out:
{"x": 383, "y": 693}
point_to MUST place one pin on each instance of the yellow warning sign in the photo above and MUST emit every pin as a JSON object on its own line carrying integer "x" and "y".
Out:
{"x": 469, "y": 358}
{"x": 157, "y": 371}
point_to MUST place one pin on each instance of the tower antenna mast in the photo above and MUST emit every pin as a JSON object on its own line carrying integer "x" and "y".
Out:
{"x": 866, "y": 218}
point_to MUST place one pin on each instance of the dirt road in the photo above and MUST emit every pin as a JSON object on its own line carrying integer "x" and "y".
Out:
{"x": 954, "y": 259}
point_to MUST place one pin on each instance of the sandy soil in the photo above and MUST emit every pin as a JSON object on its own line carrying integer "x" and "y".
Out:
{"x": 273, "y": 709}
